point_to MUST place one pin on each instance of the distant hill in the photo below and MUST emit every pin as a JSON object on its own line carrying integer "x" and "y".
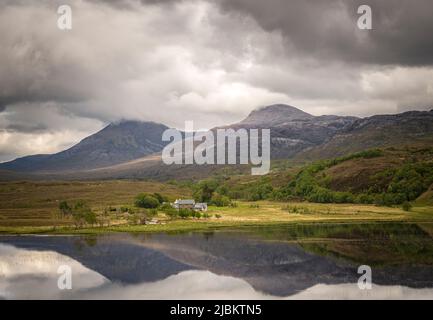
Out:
{"x": 388, "y": 176}
{"x": 413, "y": 128}
{"x": 116, "y": 143}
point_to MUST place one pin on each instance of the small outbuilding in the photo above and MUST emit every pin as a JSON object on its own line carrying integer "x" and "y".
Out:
{"x": 200, "y": 206}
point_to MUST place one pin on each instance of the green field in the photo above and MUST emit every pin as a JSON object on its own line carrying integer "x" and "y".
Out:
{"x": 32, "y": 207}
{"x": 37, "y": 203}
{"x": 369, "y": 186}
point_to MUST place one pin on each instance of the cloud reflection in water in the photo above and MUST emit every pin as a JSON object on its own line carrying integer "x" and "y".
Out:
{"x": 28, "y": 274}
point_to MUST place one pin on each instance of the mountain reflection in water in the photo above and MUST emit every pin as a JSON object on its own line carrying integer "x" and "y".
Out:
{"x": 305, "y": 261}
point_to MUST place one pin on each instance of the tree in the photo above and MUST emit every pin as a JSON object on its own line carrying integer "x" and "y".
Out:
{"x": 90, "y": 217}
{"x": 161, "y": 198}
{"x": 220, "y": 201}
{"x": 65, "y": 209}
{"x": 147, "y": 201}
{"x": 82, "y": 214}
{"x": 222, "y": 190}
{"x": 204, "y": 190}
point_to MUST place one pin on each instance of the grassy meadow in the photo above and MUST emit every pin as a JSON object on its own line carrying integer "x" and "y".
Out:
{"x": 33, "y": 207}
{"x": 30, "y": 203}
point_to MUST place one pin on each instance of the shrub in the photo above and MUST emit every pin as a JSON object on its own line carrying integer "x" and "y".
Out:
{"x": 169, "y": 210}
{"x": 152, "y": 212}
{"x": 161, "y": 198}
{"x": 260, "y": 191}
{"x": 296, "y": 209}
{"x": 64, "y": 208}
{"x": 407, "y": 206}
{"x": 173, "y": 213}
{"x": 364, "y": 198}
{"x": 321, "y": 195}
{"x": 204, "y": 190}
{"x": 219, "y": 200}
{"x": 146, "y": 201}
{"x": 185, "y": 213}
{"x": 197, "y": 215}
{"x": 82, "y": 214}
{"x": 343, "y": 197}
{"x": 222, "y": 190}
{"x": 136, "y": 219}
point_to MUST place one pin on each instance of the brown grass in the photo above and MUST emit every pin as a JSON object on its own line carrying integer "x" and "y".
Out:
{"x": 36, "y": 203}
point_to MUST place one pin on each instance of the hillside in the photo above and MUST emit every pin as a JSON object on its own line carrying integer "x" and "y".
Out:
{"x": 426, "y": 198}
{"x": 413, "y": 128}
{"x": 385, "y": 177}
{"x": 116, "y": 143}
{"x": 131, "y": 149}
{"x": 380, "y": 176}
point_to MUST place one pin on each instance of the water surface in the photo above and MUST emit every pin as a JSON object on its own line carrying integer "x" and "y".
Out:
{"x": 285, "y": 262}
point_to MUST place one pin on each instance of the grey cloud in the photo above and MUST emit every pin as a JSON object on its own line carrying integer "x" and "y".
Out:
{"x": 27, "y": 128}
{"x": 130, "y": 4}
{"x": 327, "y": 29}
{"x": 208, "y": 61}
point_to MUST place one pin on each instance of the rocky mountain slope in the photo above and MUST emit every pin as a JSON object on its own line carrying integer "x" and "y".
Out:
{"x": 413, "y": 128}
{"x": 131, "y": 148}
{"x": 293, "y": 130}
{"x": 116, "y": 143}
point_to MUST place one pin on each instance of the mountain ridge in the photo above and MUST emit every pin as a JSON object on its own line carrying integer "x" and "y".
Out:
{"x": 116, "y": 143}
{"x": 295, "y": 134}
{"x": 412, "y": 128}
{"x": 293, "y": 130}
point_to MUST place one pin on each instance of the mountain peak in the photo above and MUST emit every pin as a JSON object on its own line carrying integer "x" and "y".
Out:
{"x": 119, "y": 142}
{"x": 275, "y": 114}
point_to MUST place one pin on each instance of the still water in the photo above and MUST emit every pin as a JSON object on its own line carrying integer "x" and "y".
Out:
{"x": 284, "y": 262}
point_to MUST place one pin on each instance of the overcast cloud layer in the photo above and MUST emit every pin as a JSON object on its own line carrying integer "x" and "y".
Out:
{"x": 208, "y": 61}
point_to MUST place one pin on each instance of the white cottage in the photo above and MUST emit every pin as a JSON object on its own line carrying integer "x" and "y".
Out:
{"x": 184, "y": 204}
{"x": 189, "y": 204}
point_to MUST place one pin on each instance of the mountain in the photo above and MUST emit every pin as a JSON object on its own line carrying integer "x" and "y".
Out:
{"x": 293, "y": 130}
{"x": 131, "y": 149}
{"x": 412, "y": 128}
{"x": 117, "y": 143}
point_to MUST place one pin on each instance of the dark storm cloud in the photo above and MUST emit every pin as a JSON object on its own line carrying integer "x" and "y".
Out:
{"x": 27, "y": 128}
{"x": 129, "y": 4}
{"x": 401, "y": 32}
{"x": 211, "y": 61}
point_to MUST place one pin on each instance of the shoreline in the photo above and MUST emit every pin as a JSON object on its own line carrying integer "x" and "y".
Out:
{"x": 190, "y": 226}
{"x": 244, "y": 214}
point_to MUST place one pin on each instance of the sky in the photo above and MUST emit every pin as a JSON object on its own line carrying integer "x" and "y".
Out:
{"x": 210, "y": 61}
